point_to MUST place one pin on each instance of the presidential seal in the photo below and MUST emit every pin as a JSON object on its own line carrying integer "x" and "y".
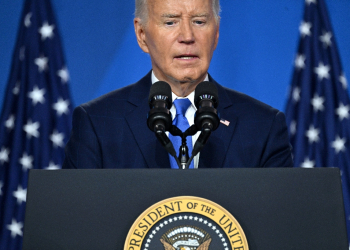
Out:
{"x": 186, "y": 223}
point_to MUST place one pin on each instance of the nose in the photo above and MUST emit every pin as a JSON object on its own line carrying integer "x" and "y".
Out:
{"x": 186, "y": 33}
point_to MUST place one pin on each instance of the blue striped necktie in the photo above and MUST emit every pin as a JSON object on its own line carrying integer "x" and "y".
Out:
{"x": 181, "y": 122}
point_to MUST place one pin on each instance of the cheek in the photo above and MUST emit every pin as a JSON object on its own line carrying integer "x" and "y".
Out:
{"x": 162, "y": 51}
{"x": 210, "y": 47}
{"x": 159, "y": 46}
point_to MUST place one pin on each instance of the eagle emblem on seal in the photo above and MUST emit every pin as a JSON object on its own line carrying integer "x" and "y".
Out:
{"x": 186, "y": 238}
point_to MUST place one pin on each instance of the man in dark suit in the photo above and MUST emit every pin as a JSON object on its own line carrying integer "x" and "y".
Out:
{"x": 180, "y": 37}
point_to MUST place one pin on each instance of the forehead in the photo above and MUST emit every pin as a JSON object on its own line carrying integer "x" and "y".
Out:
{"x": 159, "y": 7}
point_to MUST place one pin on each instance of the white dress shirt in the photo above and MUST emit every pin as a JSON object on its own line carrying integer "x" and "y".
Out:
{"x": 189, "y": 114}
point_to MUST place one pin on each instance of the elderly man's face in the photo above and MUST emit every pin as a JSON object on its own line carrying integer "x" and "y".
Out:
{"x": 180, "y": 36}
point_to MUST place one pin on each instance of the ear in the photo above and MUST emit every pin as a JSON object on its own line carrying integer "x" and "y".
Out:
{"x": 140, "y": 34}
{"x": 217, "y": 33}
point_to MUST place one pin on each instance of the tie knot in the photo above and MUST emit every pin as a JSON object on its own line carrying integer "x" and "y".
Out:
{"x": 181, "y": 106}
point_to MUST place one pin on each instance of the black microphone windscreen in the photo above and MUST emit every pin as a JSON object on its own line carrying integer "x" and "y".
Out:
{"x": 160, "y": 88}
{"x": 206, "y": 90}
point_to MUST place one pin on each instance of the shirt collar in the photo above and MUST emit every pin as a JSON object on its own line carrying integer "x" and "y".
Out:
{"x": 190, "y": 96}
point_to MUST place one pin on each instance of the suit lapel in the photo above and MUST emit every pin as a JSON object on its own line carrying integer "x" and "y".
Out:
{"x": 214, "y": 152}
{"x": 153, "y": 152}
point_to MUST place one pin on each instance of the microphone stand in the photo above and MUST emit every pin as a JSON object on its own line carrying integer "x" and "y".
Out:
{"x": 183, "y": 160}
{"x": 201, "y": 141}
{"x": 183, "y": 150}
{"x": 183, "y": 157}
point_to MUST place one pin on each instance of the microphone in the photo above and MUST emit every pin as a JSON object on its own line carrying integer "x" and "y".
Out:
{"x": 206, "y": 118}
{"x": 206, "y": 100}
{"x": 159, "y": 117}
{"x": 160, "y": 101}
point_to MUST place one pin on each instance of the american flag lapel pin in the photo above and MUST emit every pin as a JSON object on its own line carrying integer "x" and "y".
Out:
{"x": 225, "y": 122}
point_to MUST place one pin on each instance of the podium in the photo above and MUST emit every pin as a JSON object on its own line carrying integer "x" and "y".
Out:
{"x": 278, "y": 209}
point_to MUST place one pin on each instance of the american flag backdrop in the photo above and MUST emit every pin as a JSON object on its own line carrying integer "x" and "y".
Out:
{"x": 36, "y": 117}
{"x": 318, "y": 106}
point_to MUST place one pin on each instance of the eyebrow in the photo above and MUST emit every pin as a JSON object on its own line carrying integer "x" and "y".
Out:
{"x": 168, "y": 15}
{"x": 201, "y": 15}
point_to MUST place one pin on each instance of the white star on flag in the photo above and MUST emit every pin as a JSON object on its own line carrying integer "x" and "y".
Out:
{"x": 311, "y": 1}
{"x": 293, "y": 127}
{"x": 326, "y": 39}
{"x": 4, "y": 155}
{"x": 63, "y": 74}
{"x": 305, "y": 29}
{"x": 16, "y": 89}
{"x": 343, "y": 81}
{"x": 46, "y": 31}
{"x": 57, "y": 139}
{"x": 27, "y": 21}
{"x": 37, "y": 95}
{"x": 15, "y": 228}
{"x": 313, "y": 134}
{"x": 52, "y": 166}
{"x": 20, "y": 194}
{"x": 296, "y": 94}
{"x": 41, "y": 62}
{"x": 10, "y": 122}
{"x": 300, "y": 61}
{"x": 339, "y": 144}
{"x": 26, "y": 161}
{"x": 61, "y": 106}
{"x": 317, "y": 103}
{"x": 32, "y": 129}
{"x": 322, "y": 71}
{"x": 343, "y": 111}
{"x": 307, "y": 163}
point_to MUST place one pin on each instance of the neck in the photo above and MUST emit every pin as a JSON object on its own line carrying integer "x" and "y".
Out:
{"x": 183, "y": 89}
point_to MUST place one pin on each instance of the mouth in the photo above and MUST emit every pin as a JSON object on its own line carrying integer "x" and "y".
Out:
{"x": 186, "y": 57}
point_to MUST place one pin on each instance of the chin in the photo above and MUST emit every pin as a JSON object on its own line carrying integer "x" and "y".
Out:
{"x": 190, "y": 77}
{"x": 186, "y": 79}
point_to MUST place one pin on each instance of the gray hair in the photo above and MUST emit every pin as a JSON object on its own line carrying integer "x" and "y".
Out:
{"x": 142, "y": 12}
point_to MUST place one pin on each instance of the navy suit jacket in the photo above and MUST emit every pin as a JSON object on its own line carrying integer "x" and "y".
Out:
{"x": 111, "y": 132}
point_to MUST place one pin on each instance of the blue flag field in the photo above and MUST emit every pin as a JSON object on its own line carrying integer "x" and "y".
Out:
{"x": 36, "y": 117}
{"x": 318, "y": 106}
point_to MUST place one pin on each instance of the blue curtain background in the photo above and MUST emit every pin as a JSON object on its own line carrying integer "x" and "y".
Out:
{"x": 255, "y": 55}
